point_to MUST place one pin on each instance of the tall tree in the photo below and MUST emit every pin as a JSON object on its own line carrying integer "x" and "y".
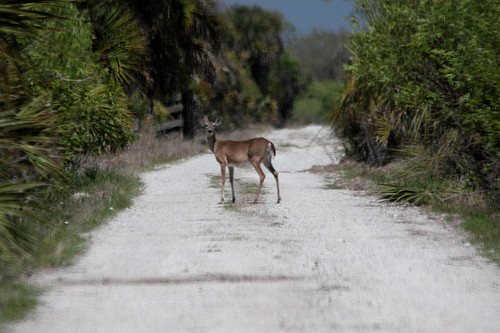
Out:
{"x": 285, "y": 85}
{"x": 257, "y": 40}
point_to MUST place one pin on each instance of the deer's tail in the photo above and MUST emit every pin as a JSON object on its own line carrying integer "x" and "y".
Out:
{"x": 272, "y": 148}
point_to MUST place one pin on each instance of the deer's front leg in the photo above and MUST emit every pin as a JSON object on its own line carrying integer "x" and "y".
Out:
{"x": 223, "y": 180}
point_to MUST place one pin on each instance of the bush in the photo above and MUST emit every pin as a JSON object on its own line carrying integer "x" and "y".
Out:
{"x": 95, "y": 119}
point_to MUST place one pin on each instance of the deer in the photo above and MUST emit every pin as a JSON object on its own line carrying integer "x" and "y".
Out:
{"x": 229, "y": 154}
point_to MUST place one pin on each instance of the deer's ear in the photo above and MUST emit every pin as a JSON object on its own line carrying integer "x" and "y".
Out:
{"x": 205, "y": 120}
{"x": 217, "y": 122}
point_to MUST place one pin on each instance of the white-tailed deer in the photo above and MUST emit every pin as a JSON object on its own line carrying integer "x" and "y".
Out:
{"x": 233, "y": 153}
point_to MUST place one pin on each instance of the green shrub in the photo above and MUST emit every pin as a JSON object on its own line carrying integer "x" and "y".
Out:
{"x": 95, "y": 119}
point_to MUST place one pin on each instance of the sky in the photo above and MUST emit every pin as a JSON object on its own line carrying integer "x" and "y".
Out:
{"x": 307, "y": 15}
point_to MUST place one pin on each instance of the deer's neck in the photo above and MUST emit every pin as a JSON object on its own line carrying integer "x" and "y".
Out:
{"x": 211, "y": 142}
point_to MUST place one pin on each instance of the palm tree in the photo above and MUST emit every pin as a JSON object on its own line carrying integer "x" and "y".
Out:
{"x": 120, "y": 44}
{"x": 257, "y": 40}
{"x": 185, "y": 36}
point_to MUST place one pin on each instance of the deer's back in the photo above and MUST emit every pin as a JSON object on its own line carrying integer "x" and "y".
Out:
{"x": 237, "y": 152}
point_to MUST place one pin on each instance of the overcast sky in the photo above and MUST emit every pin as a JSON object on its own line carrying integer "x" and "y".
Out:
{"x": 307, "y": 15}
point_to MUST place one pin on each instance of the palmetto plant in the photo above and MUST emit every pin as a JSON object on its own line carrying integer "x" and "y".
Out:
{"x": 120, "y": 44}
{"x": 27, "y": 157}
{"x": 402, "y": 193}
{"x": 12, "y": 198}
{"x": 27, "y": 141}
{"x": 27, "y": 124}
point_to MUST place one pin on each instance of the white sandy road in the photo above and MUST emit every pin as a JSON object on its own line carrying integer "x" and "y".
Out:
{"x": 321, "y": 261}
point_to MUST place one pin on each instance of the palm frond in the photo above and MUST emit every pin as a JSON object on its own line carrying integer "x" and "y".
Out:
{"x": 121, "y": 45}
{"x": 19, "y": 17}
{"x": 27, "y": 141}
{"x": 403, "y": 193}
{"x": 383, "y": 129}
{"x": 12, "y": 207}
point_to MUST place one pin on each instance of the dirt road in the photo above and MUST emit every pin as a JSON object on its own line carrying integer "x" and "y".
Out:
{"x": 321, "y": 261}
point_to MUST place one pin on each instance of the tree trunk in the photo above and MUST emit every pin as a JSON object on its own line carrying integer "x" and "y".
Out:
{"x": 188, "y": 114}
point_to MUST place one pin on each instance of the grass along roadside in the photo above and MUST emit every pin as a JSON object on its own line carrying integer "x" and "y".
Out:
{"x": 478, "y": 213}
{"x": 56, "y": 232}
{"x": 16, "y": 298}
{"x": 98, "y": 187}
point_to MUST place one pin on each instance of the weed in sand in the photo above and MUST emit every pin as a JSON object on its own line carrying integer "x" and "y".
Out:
{"x": 252, "y": 189}
{"x": 215, "y": 182}
{"x": 232, "y": 207}
{"x": 286, "y": 146}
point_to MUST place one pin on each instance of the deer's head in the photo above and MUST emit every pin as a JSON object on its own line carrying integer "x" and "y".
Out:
{"x": 211, "y": 125}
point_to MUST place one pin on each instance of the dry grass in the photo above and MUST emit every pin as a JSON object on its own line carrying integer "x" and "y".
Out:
{"x": 147, "y": 151}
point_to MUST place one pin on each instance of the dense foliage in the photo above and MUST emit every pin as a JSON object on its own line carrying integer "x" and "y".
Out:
{"x": 424, "y": 75}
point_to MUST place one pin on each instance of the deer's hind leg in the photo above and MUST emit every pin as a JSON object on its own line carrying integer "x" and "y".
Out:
{"x": 262, "y": 176}
{"x": 267, "y": 163}
{"x": 231, "y": 179}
